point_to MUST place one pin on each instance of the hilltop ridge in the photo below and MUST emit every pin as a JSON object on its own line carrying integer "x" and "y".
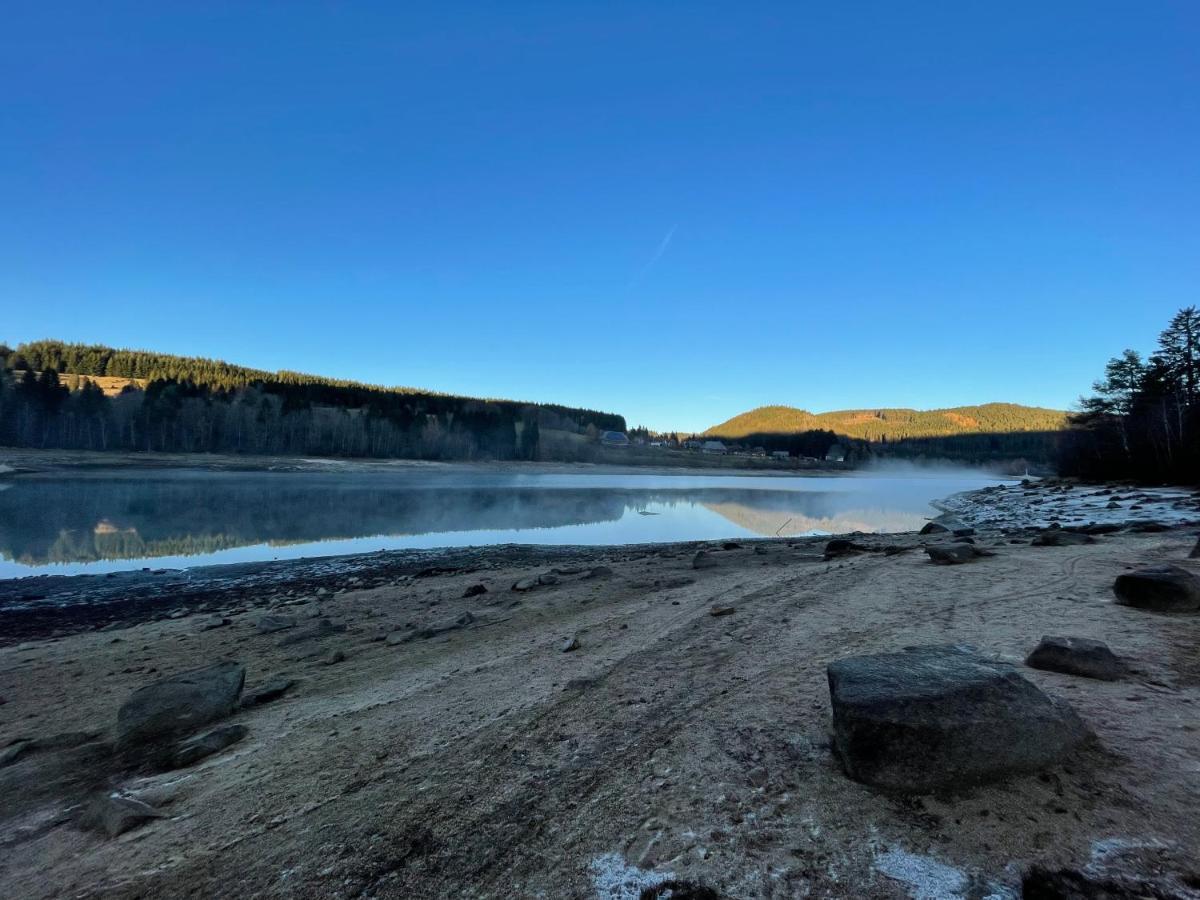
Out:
{"x": 893, "y": 424}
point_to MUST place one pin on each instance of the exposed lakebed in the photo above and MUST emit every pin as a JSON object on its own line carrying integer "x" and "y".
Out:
{"x": 70, "y": 522}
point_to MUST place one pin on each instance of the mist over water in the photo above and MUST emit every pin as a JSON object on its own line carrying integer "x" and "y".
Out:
{"x": 108, "y": 522}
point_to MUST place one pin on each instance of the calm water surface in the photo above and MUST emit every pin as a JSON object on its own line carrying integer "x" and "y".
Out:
{"x": 108, "y": 522}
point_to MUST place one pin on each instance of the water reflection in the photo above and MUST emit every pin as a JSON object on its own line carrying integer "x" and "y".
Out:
{"x": 101, "y": 523}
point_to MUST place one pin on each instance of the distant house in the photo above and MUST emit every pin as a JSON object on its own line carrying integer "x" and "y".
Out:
{"x": 714, "y": 447}
{"x": 780, "y": 454}
{"x": 836, "y": 453}
{"x": 614, "y": 439}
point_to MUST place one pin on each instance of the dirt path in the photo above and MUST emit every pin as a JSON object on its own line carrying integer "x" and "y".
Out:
{"x": 487, "y": 762}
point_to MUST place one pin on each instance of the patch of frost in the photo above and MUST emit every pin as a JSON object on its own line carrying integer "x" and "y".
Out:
{"x": 927, "y": 879}
{"x": 615, "y": 879}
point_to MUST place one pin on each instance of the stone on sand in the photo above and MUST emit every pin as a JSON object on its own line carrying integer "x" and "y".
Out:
{"x": 1160, "y": 588}
{"x": 179, "y": 704}
{"x": 953, "y": 554}
{"x": 842, "y": 547}
{"x": 947, "y": 526}
{"x": 273, "y": 623}
{"x": 1061, "y": 537}
{"x": 1076, "y": 656}
{"x": 272, "y": 690}
{"x": 194, "y": 749}
{"x": 114, "y": 814}
{"x": 943, "y": 717}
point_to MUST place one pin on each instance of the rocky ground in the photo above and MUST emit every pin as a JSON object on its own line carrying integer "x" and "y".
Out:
{"x": 631, "y": 715}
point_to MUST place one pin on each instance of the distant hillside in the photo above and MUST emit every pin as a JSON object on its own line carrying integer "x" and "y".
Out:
{"x": 92, "y": 397}
{"x": 893, "y": 424}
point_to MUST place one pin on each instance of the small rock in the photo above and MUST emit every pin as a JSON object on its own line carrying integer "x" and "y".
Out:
{"x": 953, "y": 554}
{"x": 1061, "y": 537}
{"x": 842, "y": 547}
{"x": 731, "y": 545}
{"x": 547, "y": 578}
{"x": 947, "y": 526}
{"x": 114, "y": 814}
{"x": 1147, "y": 527}
{"x": 322, "y": 629}
{"x": 603, "y": 572}
{"x": 1076, "y": 656}
{"x": 475, "y": 590}
{"x": 703, "y": 560}
{"x": 571, "y": 644}
{"x": 337, "y": 656}
{"x": 1159, "y": 588}
{"x": 722, "y": 611}
{"x": 215, "y": 622}
{"x": 15, "y": 750}
{"x": 272, "y": 690}
{"x": 525, "y": 584}
{"x": 270, "y": 624}
{"x": 193, "y": 750}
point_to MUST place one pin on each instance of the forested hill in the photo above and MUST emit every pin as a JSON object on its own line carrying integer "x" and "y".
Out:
{"x": 201, "y": 405}
{"x": 891, "y": 425}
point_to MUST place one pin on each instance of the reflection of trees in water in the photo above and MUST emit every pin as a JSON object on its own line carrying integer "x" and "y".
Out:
{"x": 777, "y": 523}
{"x": 91, "y": 519}
{"x": 87, "y": 519}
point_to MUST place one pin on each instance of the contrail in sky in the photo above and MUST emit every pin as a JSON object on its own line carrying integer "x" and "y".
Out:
{"x": 662, "y": 248}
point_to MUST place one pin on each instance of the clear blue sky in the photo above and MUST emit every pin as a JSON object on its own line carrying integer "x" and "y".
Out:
{"x": 672, "y": 211}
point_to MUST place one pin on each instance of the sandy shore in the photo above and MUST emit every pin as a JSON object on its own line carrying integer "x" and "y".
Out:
{"x": 485, "y": 761}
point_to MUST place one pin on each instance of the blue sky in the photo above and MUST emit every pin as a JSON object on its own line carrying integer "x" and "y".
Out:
{"x": 672, "y": 211}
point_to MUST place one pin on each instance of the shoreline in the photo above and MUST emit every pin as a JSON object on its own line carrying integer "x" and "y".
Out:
{"x": 47, "y": 605}
{"x": 20, "y": 462}
{"x": 508, "y": 721}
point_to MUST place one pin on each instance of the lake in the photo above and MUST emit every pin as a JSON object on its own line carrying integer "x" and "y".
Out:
{"x": 108, "y": 521}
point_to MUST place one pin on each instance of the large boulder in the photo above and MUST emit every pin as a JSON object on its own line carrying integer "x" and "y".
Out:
{"x": 180, "y": 704}
{"x": 1076, "y": 656}
{"x": 1159, "y": 588}
{"x": 943, "y": 717}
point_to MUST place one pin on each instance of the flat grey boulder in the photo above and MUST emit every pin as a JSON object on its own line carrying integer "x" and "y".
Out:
{"x": 954, "y": 554}
{"x": 114, "y": 814}
{"x": 179, "y": 704}
{"x": 943, "y": 717}
{"x": 1159, "y": 588}
{"x": 192, "y": 750}
{"x": 1076, "y": 656}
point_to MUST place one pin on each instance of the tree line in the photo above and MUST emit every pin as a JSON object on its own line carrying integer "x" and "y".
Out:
{"x": 185, "y": 404}
{"x": 1143, "y": 421}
